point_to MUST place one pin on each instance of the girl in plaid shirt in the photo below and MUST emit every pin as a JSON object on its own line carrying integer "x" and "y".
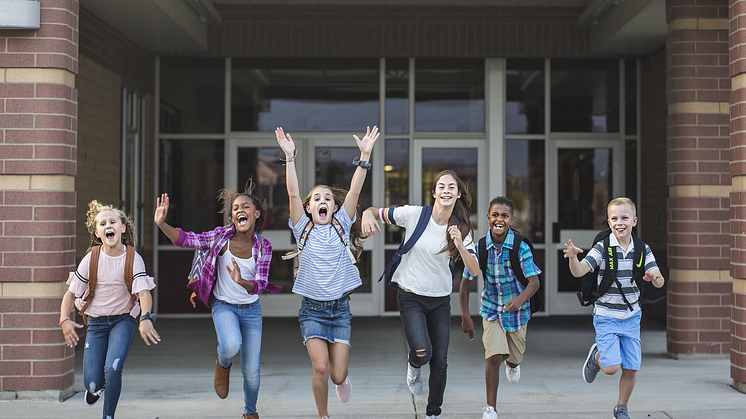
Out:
{"x": 238, "y": 268}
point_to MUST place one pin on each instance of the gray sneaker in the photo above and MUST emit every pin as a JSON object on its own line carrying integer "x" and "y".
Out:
{"x": 590, "y": 367}
{"x": 414, "y": 379}
{"x": 620, "y": 412}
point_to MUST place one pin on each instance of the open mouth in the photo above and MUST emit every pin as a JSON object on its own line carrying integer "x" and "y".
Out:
{"x": 242, "y": 219}
{"x": 323, "y": 211}
{"x": 110, "y": 234}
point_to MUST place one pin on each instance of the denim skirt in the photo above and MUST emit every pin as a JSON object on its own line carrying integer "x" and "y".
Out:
{"x": 328, "y": 320}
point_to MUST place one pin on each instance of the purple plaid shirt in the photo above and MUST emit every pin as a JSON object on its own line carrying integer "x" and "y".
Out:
{"x": 203, "y": 241}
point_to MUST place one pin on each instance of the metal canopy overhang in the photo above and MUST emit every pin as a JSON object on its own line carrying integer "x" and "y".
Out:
{"x": 158, "y": 25}
{"x": 626, "y": 27}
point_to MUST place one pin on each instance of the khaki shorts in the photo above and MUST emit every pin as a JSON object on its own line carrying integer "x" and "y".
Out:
{"x": 499, "y": 342}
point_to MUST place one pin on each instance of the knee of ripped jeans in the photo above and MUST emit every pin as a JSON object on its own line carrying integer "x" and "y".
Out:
{"x": 421, "y": 353}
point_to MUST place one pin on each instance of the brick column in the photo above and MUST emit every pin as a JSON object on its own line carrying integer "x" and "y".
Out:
{"x": 737, "y": 48}
{"x": 697, "y": 94}
{"x": 38, "y": 134}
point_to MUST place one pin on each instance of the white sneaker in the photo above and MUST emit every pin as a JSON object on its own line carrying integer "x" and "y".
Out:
{"x": 514, "y": 374}
{"x": 432, "y": 417}
{"x": 488, "y": 412}
{"x": 414, "y": 380}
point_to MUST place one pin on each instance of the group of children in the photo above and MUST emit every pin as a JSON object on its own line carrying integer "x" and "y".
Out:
{"x": 110, "y": 287}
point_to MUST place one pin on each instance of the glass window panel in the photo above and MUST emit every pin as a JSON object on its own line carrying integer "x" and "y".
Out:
{"x": 630, "y": 170}
{"x": 396, "y": 178}
{"x": 630, "y": 95}
{"x": 397, "y": 95}
{"x": 524, "y": 162}
{"x": 312, "y": 94}
{"x": 566, "y": 282}
{"x": 263, "y": 165}
{"x": 191, "y": 172}
{"x": 585, "y": 95}
{"x": 584, "y": 187}
{"x": 334, "y": 168}
{"x": 192, "y": 95}
{"x": 449, "y": 95}
{"x": 524, "y": 109}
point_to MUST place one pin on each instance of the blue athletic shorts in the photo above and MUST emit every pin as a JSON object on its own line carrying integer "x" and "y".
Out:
{"x": 328, "y": 320}
{"x": 618, "y": 341}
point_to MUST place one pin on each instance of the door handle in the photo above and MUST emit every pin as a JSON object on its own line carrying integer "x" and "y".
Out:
{"x": 555, "y": 232}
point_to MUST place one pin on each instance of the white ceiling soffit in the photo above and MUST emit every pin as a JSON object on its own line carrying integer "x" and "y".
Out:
{"x": 20, "y": 14}
{"x": 158, "y": 25}
{"x": 635, "y": 27}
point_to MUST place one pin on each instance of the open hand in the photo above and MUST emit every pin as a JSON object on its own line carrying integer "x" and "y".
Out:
{"x": 148, "y": 332}
{"x": 369, "y": 224}
{"x": 161, "y": 209}
{"x": 366, "y": 144}
{"x": 235, "y": 273}
{"x": 571, "y": 250}
{"x": 68, "y": 330}
{"x": 286, "y": 142}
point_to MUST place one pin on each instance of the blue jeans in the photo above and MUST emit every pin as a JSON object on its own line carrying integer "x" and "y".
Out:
{"x": 427, "y": 327}
{"x": 239, "y": 328}
{"x": 107, "y": 344}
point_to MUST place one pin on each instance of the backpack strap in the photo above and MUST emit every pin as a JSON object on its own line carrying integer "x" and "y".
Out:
{"x": 129, "y": 263}
{"x": 422, "y": 222}
{"x": 515, "y": 263}
{"x": 92, "y": 278}
{"x": 482, "y": 254}
{"x": 301, "y": 242}
{"x": 610, "y": 273}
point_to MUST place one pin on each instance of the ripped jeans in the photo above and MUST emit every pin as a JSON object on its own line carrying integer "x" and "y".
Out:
{"x": 107, "y": 343}
{"x": 427, "y": 328}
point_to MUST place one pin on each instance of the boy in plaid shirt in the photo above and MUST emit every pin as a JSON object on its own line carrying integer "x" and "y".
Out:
{"x": 505, "y": 306}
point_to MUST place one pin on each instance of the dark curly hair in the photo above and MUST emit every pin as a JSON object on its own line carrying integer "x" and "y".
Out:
{"x": 227, "y": 196}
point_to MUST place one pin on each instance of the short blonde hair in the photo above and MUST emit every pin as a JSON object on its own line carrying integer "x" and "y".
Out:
{"x": 622, "y": 201}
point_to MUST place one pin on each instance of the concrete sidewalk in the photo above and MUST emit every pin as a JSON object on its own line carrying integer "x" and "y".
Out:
{"x": 174, "y": 378}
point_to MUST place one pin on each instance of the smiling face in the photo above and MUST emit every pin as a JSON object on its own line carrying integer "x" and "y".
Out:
{"x": 109, "y": 228}
{"x": 244, "y": 213}
{"x": 621, "y": 221}
{"x": 321, "y": 205}
{"x": 446, "y": 191}
{"x": 500, "y": 219}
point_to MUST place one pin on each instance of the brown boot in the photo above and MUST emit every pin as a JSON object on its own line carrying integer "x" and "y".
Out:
{"x": 251, "y": 416}
{"x": 222, "y": 379}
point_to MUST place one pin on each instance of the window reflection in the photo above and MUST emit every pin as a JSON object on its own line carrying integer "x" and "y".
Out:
{"x": 585, "y": 95}
{"x": 396, "y": 180}
{"x": 191, "y": 172}
{"x": 449, "y": 95}
{"x": 263, "y": 165}
{"x": 304, "y": 95}
{"x": 524, "y": 162}
{"x": 397, "y": 96}
{"x": 192, "y": 95}
{"x": 584, "y": 187}
{"x": 524, "y": 108}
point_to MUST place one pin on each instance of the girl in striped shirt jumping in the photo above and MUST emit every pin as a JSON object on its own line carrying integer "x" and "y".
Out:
{"x": 324, "y": 225}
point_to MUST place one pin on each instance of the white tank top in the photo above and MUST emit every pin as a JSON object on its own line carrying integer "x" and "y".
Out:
{"x": 225, "y": 288}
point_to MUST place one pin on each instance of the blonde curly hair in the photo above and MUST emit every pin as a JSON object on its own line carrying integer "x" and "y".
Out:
{"x": 94, "y": 209}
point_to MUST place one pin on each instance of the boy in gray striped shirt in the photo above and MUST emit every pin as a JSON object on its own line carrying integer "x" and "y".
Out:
{"x": 617, "y": 325}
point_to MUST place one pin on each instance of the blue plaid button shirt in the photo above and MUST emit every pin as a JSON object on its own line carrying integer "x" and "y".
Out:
{"x": 502, "y": 285}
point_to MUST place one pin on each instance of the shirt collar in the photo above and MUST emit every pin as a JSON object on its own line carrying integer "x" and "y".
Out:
{"x": 507, "y": 243}
{"x": 614, "y": 242}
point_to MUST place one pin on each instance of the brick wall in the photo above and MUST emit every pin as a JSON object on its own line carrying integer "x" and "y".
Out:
{"x": 698, "y": 94}
{"x": 737, "y": 58}
{"x": 38, "y": 126}
{"x": 333, "y": 30}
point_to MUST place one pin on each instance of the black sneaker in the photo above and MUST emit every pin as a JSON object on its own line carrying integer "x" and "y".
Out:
{"x": 590, "y": 367}
{"x": 91, "y": 398}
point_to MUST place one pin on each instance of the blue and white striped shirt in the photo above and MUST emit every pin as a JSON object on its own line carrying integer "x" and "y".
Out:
{"x": 611, "y": 303}
{"x": 326, "y": 272}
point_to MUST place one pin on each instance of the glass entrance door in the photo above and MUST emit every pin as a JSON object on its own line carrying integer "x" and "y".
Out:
{"x": 584, "y": 177}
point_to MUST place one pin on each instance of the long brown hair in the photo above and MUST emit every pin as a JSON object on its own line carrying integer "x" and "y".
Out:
{"x": 339, "y": 194}
{"x": 461, "y": 210}
{"x": 94, "y": 209}
{"x": 227, "y": 196}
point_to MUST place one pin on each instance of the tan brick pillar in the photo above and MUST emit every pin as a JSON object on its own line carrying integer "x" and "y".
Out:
{"x": 697, "y": 94}
{"x": 38, "y": 134}
{"x": 737, "y": 48}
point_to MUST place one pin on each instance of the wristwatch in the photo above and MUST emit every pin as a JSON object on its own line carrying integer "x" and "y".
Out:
{"x": 148, "y": 316}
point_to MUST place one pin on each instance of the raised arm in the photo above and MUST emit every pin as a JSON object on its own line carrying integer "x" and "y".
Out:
{"x": 291, "y": 177}
{"x": 577, "y": 268}
{"x": 358, "y": 178}
{"x": 161, "y": 211}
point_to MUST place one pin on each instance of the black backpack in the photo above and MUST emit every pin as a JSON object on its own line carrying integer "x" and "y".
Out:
{"x": 536, "y": 301}
{"x": 590, "y": 290}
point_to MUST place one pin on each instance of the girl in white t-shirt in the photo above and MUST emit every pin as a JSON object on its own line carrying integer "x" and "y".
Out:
{"x": 113, "y": 309}
{"x": 425, "y": 280}
{"x": 326, "y": 273}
